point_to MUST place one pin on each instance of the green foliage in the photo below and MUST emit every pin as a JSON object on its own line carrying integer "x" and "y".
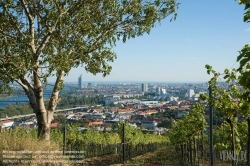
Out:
{"x": 67, "y": 100}
{"x": 19, "y": 132}
{"x": 247, "y": 8}
{"x": 57, "y": 136}
{"x": 225, "y": 101}
{"x": 244, "y": 58}
{"x": 231, "y": 101}
{"x": 93, "y": 143}
{"x": 243, "y": 133}
{"x": 223, "y": 137}
{"x": 190, "y": 126}
{"x": 58, "y": 36}
{"x": 11, "y": 110}
{"x": 75, "y": 137}
{"x": 167, "y": 123}
{"x": 134, "y": 136}
{"x": 49, "y": 38}
{"x": 61, "y": 119}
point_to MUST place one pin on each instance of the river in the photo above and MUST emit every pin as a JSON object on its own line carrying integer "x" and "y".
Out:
{"x": 23, "y": 99}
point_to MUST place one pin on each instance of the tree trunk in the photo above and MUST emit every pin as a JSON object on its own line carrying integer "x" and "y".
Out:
{"x": 35, "y": 94}
{"x": 190, "y": 152}
{"x": 43, "y": 117}
{"x": 186, "y": 152}
{"x": 182, "y": 153}
{"x": 43, "y": 121}
{"x": 248, "y": 142}
{"x": 195, "y": 152}
{"x": 202, "y": 148}
{"x": 232, "y": 140}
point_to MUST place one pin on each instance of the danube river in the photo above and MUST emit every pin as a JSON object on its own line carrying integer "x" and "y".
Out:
{"x": 23, "y": 99}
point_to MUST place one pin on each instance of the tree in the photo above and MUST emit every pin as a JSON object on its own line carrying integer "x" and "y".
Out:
{"x": 60, "y": 119}
{"x": 167, "y": 123}
{"x": 41, "y": 38}
{"x": 226, "y": 101}
{"x": 244, "y": 77}
{"x": 187, "y": 130}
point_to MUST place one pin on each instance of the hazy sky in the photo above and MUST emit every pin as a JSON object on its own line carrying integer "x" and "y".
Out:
{"x": 205, "y": 32}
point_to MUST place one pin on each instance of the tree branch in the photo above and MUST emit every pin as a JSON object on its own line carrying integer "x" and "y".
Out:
{"x": 76, "y": 8}
{"x": 54, "y": 100}
{"x": 15, "y": 24}
{"x": 30, "y": 17}
{"x": 21, "y": 84}
{"x": 110, "y": 29}
{"x": 29, "y": 92}
{"x": 31, "y": 26}
{"x": 47, "y": 37}
{"x": 2, "y": 32}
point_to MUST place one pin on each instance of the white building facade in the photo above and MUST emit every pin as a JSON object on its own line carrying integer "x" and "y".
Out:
{"x": 190, "y": 93}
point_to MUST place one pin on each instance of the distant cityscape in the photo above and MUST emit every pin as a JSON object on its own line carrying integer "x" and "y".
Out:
{"x": 144, "y": 104}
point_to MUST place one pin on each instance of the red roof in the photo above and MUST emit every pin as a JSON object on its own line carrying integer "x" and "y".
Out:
{"x": 95, "y": 123}
{"x": 5, "y": 121}
{"x": 53, "y": 125}
{"x": 123, "y": 110}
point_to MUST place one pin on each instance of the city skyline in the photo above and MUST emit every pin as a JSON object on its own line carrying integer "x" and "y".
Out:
{"x": 205, "y": 32}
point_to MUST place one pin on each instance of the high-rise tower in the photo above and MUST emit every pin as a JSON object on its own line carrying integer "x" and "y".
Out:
{"x": 80, "y": 81}
{"x": 144, "y": 87}
{"x": 190, "y": 92}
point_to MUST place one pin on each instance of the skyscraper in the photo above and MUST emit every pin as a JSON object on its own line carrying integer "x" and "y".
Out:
{"x": 80, "y": 81}
{"x": 190, "y": 92}
{"x": 144, "y": 87}
{"x": 158, "y": 90}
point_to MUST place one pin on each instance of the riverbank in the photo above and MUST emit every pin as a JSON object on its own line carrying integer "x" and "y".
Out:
{"x": 4, "y": 96}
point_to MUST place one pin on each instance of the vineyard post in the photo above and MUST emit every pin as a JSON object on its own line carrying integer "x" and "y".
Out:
{"x": 190, "y": 152}
{"x": 64, "y": 139}
{"x": 202, "y": 147}
{"x": 210, "y": 129}
{"x": 248, "y": 142}
{"x": 123, "y": 142}
{"x": 182, "y": 154}
{"x": 195, "y": 151}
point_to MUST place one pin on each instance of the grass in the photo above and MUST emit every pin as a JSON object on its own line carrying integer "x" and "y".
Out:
{"x": 19, "y": 140}
{"x": 164, "y": 156}
{"x": 19, "y": 146}
{"x": 161, "y": 156}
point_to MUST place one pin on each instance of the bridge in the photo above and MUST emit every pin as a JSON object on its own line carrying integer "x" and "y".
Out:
{"x": 7, "y": 101}
{"x": 33, "y": 114}
{"x": 15, "y": 102}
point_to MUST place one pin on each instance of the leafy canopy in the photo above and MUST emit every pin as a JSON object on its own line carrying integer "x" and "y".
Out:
{"x": 46, "y": 38}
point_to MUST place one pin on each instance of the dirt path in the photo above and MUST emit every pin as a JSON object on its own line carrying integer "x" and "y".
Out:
{"x": 160, "y": 157}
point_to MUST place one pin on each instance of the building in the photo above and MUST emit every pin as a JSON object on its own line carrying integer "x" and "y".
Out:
{"x": 89, "y": 84}
{"x": 6, "y": 124}
{"x": 158, "y": 90}
{"x": 190, "y": 93}
{"x": 53, "y": 125}
{"x": 144, "y": 87}
{"x": 80, "y": 82}
{"x": 163, "y": 91}
{"x": 181, "y": 114}
{"x": 149, "y": 124}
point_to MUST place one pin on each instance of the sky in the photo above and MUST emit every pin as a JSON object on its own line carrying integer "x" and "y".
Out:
{"x": 205, "y": 32}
